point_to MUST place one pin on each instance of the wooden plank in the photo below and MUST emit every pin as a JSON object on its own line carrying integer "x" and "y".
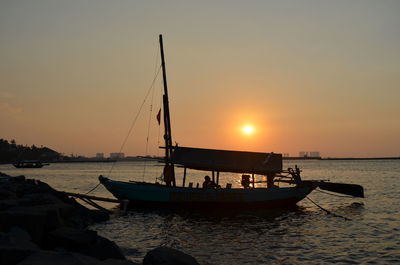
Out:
{"x": 85, "y": 196}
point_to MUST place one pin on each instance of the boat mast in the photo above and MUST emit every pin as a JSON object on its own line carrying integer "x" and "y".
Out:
{"x": 167, "y": 120}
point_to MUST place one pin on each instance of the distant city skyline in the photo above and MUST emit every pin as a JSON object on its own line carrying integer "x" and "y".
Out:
{"x": 265, "y": 76}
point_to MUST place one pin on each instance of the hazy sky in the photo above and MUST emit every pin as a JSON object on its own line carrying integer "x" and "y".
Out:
{"x": 308, "y": 75}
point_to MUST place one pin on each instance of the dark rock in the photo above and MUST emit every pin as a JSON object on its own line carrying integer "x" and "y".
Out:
{"x": 85, "y": 242}
{"x": 9, "y": 203}
{"x": 57, "y": 215}
{"x": 130, "y": 251}
{"x": 71, "y": 239}
{"x": 36, "y": 220}
{"x": 105, "y": 249}
{"x": 6, "y": 194}
{"x": 68, "y": 258}
{"x": 41, "y": 198}
{"x": 51, "y": 220}
{"x": 59, "y": 258}
{"x": 168, "y": 256}
{"x": 13, "y": 255}
{"x": 30, "y": 220}
{"x": 17, "y": 237}
{"x": 52, "y": 213}
{"x": 117, "y": 262}
{"x": 34, "y": 193}
{"x": 15, "y": 246}
{"x": 31, "y": 188}
{"x": 38, "y": 209}
{"x": 98, "y": 216}
{"x": 7, "y": 178}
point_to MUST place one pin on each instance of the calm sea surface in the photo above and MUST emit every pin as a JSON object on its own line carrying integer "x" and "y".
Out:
{"x": 370, "y": 235}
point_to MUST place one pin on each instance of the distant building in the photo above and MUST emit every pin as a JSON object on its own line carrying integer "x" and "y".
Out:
{"x": 309, "y": 154}
{"x": 117, "y": 155}
{"x": 315, "y": 154}
{"x": 303, "y": 154}
{"x": 285, "y": 154}
{"x": 100, "y": 155}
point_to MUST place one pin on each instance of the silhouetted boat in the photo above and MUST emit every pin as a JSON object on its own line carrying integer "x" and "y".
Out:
{"x": 249, "y": 164}
{"x": 29, "y": 164}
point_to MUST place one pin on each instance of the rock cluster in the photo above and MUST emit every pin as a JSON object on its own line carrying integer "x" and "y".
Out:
{"x": 39, "y": 225}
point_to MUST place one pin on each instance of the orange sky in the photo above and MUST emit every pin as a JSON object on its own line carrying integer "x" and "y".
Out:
{"x": 308, "y": 75}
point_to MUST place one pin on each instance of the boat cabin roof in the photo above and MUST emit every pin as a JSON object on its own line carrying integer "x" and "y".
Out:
{"x": 227, "y": 161}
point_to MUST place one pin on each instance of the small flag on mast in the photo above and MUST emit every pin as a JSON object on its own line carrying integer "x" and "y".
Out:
{"x": 159, "y": 117}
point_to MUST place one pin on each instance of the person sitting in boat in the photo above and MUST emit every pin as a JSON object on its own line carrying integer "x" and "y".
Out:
{"x": 295, "y": 174}
{"x": 209, "y": 184}
{"x": 245, "y": 181}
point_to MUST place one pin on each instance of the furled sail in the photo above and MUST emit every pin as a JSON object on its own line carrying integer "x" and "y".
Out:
{"x": 227, "y": 161}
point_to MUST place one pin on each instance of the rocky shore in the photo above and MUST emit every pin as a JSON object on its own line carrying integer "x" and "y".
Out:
{"x": 40, "y": 225}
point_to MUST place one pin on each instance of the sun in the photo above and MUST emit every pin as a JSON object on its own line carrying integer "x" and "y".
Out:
{"x": 248, "y": 129}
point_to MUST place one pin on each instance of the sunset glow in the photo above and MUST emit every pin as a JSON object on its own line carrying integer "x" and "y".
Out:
{"x": 270, "y": 76}
{"x": 248, "y": 129}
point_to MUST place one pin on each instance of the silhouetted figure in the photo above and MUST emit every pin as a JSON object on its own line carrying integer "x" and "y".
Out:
{"x": 295, "y": 174}
{"x": 169, "y": 177}
{"x": 245, "y": 181}
{"x": 209, "y": 184}
{"x": 270, "y": 180}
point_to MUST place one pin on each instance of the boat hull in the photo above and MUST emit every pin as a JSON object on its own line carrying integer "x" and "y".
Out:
{"x": 145, "y": 194}
{"x": 28, "y": 166}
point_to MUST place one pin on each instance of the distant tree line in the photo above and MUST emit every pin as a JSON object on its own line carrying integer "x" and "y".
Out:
{"x": 12, "y": 152}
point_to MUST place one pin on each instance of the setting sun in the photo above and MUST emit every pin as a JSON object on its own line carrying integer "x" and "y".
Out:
{"x": 248, "y": 129}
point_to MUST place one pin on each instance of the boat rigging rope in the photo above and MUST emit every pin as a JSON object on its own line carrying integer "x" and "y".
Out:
{"x": 148, "y": 132}
{"x": 95, "y": 187}
{"x": 156, "y": 68}
{"x": 327, "y": 211}
{"x": 132, "y": 124}
{"x": 137, "y": 115}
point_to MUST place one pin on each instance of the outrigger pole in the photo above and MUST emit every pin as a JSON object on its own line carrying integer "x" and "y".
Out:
{"x": 169, "y": 168}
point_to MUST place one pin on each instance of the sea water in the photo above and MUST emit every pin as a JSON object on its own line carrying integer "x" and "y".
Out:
{"x": 359, "y": 230}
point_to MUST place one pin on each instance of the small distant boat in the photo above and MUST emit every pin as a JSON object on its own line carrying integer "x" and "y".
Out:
{"x": 268, "y": 166}
{"x": 29, "y": 164}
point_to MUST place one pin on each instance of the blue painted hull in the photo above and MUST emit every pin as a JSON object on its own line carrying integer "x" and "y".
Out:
{"x": 140, "y": 193}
